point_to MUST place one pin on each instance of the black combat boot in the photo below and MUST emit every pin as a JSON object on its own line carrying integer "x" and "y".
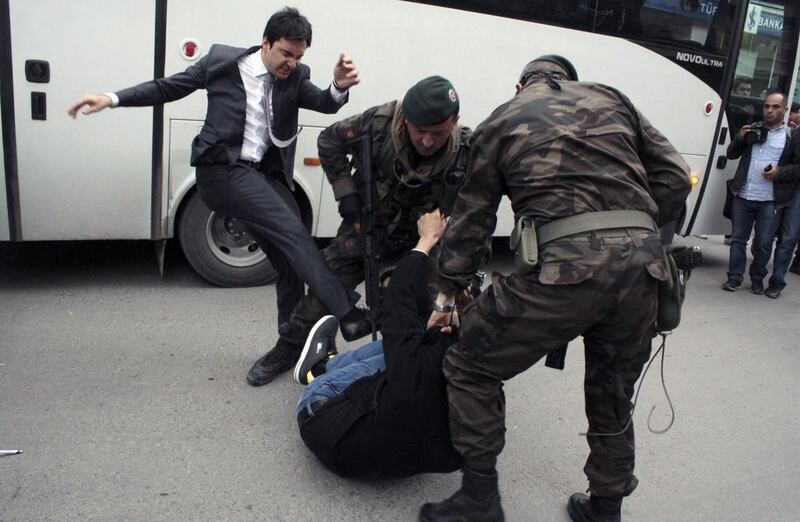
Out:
{"x": 582, "y": 508}
{"x": 478, "y": 500}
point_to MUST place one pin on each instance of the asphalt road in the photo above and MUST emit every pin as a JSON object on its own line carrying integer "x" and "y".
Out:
{"x": 127, "y": 394}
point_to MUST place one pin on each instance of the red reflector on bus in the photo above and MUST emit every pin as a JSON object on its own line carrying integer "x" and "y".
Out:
{"x": 709, "y": 108}
{"x": 190, "y": 49}
{"x": 311, "y": 162}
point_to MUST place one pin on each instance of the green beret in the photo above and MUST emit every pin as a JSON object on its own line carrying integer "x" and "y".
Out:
{"x": 430, "y": 100}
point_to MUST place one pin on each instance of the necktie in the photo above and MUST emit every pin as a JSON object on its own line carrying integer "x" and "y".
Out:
{"x": 269, "y": 81}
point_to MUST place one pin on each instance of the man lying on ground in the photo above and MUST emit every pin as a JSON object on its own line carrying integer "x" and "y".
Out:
{"x": 382, "y": 409}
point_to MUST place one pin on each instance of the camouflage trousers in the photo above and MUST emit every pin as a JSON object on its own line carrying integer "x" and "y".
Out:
{"x": 345, "y": 256}
{"x": 602, "y": 287}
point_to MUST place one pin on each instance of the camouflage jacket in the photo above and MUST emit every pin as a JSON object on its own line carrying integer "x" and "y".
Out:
{"x": 557, "y": 153}
{"x": 405, "y": 184}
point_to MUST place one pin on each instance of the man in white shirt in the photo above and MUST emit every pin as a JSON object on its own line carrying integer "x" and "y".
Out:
{"x": 756, "y": 203}
{"x": 244, "y": 153}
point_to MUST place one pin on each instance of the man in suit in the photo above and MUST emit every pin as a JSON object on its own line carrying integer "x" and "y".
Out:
{"x": 244, "y": 154}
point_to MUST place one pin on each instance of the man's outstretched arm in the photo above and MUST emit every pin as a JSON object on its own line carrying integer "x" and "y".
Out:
{"x": 153, "y": 92}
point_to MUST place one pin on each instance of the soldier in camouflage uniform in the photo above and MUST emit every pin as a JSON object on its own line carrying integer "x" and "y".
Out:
{"x": 559, "y": 148}
{"x": 420, "y": 156}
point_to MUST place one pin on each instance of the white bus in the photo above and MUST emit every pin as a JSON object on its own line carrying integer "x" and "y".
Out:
{"x": 125, "y": 174}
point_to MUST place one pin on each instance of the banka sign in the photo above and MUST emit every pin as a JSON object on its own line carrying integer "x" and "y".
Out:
{"x": 764, "y": 21}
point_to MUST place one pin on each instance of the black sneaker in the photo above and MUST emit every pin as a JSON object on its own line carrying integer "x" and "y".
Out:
{"x": 731, "y": 286}
{"x": 773, "y": 292}
{"x": 276, "y": 361}
{"x": 757, "y": 287}
{"x": 320, "y": 345}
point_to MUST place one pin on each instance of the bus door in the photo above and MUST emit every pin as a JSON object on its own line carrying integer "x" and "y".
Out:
{"x": 795, "y": 94}
{"x": 766, "y": 61}
{"x": 89, "y": 179}
{"x": 5, "y": 233}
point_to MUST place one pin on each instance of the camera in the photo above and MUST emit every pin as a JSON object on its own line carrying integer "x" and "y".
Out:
{"x": 687, "y": 257}
{"x": 757, "y": 133}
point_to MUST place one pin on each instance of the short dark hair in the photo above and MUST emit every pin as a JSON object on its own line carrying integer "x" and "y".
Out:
{"x": 290, "y": 24}
{"x": 740, "y": 80}
{"x": 771, "y": 92}
{"x": 795, "y": 107}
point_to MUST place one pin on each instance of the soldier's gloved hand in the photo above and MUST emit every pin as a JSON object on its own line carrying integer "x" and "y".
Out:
{"x": 350, "y": 207}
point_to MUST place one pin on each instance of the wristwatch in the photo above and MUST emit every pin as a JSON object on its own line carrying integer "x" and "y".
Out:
{"x": 443, "y": 307}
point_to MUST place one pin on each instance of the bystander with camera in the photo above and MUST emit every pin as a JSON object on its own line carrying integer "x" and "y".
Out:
{"x": 763, "y": 186}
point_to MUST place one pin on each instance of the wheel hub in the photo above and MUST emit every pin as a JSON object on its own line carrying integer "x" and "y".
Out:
{"x": 230, "y": 242}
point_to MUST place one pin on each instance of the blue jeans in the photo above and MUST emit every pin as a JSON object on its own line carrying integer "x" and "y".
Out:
{"x": 790, "y": 234}
{"x": 342, "y": 371}
{"x": 747, "y": 215}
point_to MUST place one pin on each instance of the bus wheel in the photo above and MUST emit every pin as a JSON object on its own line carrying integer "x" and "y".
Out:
{"x": 220, "y": 249}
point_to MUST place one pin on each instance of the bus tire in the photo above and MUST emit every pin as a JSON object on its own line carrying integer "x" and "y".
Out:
{"x": 220, "y": 249}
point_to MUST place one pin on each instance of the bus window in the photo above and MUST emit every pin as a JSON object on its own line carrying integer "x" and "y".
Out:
{"x": 766, "y": 59}
{"x": 567, "y": 13}
{"x": 695, "y": 34}
{"x": 794, "y": 114}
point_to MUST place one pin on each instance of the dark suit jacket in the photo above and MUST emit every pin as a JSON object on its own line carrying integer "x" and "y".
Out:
{"x": 788, "y": 179}
{"x": 220, "y": 140}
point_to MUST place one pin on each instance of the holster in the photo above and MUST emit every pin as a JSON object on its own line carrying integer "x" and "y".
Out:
{"x": 671, "y": 293}
{"x": 524, "y": 243}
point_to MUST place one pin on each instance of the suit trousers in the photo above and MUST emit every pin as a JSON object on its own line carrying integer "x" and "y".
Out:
{"x": 266, "y": 207}
{"x": 345, "y": 256}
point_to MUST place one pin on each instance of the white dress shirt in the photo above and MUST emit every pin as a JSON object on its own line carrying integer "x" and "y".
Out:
{"x": 255, "y": 78}
{"x": 258, "y": 82}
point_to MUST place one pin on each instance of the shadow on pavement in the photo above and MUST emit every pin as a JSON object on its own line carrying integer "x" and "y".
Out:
{"x": 78, "y": 263}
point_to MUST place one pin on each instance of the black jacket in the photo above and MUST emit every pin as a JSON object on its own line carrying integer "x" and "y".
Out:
{"x": 787, "y": 181}
{"x": 394, "y": 423}
{"x": 220, "y": 140}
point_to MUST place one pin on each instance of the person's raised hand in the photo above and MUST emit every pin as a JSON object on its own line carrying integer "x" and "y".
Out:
{"x": 92, "y": 103}
{"x": 430, "y": 227}
{"x": 345, "y": 73}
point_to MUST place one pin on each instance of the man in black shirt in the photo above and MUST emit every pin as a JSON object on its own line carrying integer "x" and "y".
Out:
{"x": 383, "y": 410}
